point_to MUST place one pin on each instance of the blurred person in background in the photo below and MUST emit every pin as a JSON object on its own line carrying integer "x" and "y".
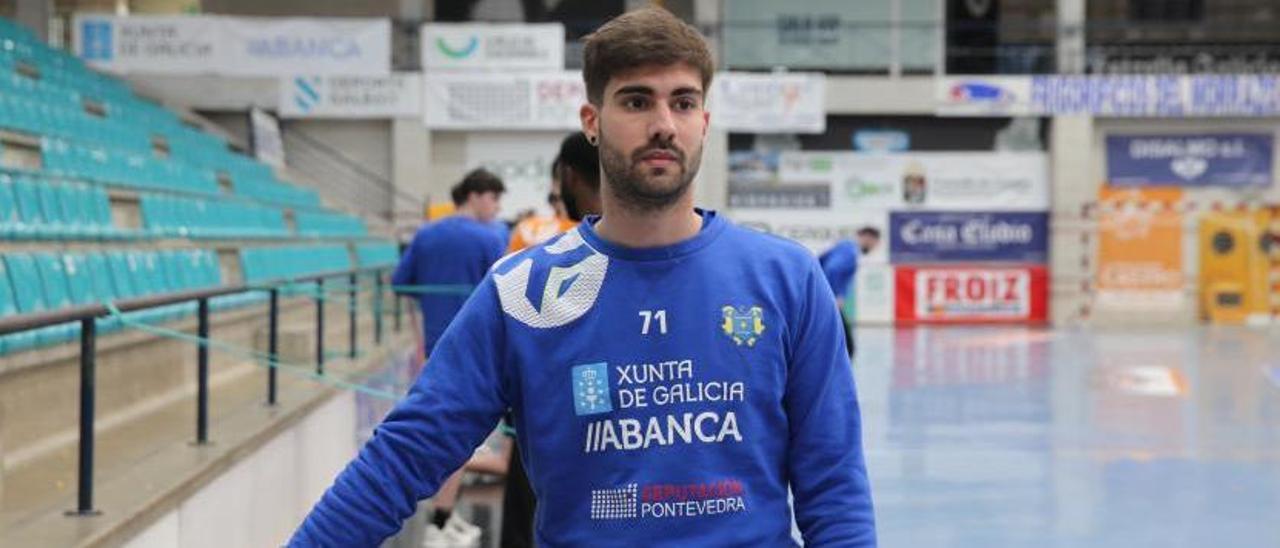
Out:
{"x": 576, "y": 182}
{"x": 456, "y": 250}
{"x": 840, "y": 266}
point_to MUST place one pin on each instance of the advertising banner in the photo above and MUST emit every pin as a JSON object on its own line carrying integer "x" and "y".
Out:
{"x": 470, "y": 101}
{"x": 481, "y": 46}
{"x": 931, "y": 237}
{"x": 1145, "y": 96}
{"x": 262, "y": 46}
{"x": 769, "y": 103}
{"x": 840, "y": 35}
{"x": 153, "y": 43}
{"x": 398, "y": 95}
{"x": 1225, "y": 159}
{"x": 969, "y": 294}
{"x": 1140, "y": 246}
{"x": 944, "y": 181}
{"x": 818, "y": 230}
{"x": 233, "y": 46}
{"x": 873, "y": 301}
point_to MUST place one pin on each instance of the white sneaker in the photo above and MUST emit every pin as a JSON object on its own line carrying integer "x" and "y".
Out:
{"x": 436, "y": 537}
{"x": 462, "y": 529}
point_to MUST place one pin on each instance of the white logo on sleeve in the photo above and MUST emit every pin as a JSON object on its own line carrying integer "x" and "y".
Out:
{"x": 570, "y": 291}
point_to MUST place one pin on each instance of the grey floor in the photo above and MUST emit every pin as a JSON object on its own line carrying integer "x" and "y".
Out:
{"x": 1011, "y": 437}
{"x": 1014, "y": 437}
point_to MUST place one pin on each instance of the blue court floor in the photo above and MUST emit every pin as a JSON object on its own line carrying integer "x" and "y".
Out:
{"x": 1011, "y": 437}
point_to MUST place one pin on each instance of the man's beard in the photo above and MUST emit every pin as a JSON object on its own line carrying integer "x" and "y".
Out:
{"x": 628, "y": 179}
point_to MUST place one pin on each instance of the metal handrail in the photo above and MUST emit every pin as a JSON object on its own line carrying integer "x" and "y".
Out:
{"x": 87, "y": 315}
{"x": 36, "y": 320}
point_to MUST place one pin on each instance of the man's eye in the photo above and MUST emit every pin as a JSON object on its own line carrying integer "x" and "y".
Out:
{"x": 686, "y": 104}
{"x": 636, "y": 103}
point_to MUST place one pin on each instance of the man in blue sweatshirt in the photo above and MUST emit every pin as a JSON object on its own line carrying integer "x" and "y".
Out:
{"x": 456, "y": 250}
{"x": 672, "y": 376}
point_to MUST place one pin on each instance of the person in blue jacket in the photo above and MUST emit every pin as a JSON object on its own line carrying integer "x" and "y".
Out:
{"x": 455, "y": 251}
{"x": 840, "y": 266}
{"x": 672, "y": 376}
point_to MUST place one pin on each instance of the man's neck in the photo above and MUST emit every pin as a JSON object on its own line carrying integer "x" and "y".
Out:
{"x": 466, "y": 212}
{"x": 648, "y": 228}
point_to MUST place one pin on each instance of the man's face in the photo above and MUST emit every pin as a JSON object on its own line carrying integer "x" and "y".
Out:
{"x": 651, "y": 124}
{"x": 868, "y": 242}
{"x": 486, "y": 205}
{"x": 556, "y": 198}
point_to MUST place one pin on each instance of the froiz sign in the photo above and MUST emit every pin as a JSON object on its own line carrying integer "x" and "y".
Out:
{"x": 976, "y": 292}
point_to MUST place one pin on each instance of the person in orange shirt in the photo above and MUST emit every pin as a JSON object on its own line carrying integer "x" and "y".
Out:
{"x": 575, "y": 193}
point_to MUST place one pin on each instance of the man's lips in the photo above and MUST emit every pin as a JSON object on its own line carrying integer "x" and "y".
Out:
{"x": 658, "y": 156}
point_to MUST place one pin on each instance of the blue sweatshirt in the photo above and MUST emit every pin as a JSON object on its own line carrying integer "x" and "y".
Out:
{"x": 839, "y": 265}
{"x": 662, "y": 396}
{"x": 455, "y": 250}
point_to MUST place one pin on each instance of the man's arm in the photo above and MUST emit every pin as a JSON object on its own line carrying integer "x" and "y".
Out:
{"x": 454, "y": 404}
{"x": 405, "y": 273}
{"x": 826, "y": 469}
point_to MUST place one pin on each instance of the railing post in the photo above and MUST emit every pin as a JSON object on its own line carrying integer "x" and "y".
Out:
{"x": 202, "y": 374}
{"x": 273, "y": 345}
{"x": 352, "y": 299}
{"x": 88, "y": 340}
{"x": 377, "y": 307}
{"x": 320, "y": 326}
{"x": 395, "y": 303}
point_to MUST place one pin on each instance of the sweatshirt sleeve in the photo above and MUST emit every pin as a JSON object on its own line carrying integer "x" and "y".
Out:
{"x": 826, "y": 469}
{"x": 453, "y": 405}
{"x": 404, "y": 273}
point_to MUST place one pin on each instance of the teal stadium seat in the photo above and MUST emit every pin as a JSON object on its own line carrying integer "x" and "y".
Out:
{"x": 28, "y": 292}
{"x": 13, "y": 342}
{"x": 57, "y": 294}
{"x": 9, "y": 220}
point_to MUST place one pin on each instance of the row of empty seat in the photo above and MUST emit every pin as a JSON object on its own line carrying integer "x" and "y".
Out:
{"x": 133, "y": 169}
{"x": 328, "y": 224}
{"x": 260, "y": 264}
{"x": 377, "y": 254}
{"x": 38, "y": 282}
{"x": 198, "y": 218}
{"x": 39, "y": 208}
{"x": 110, "y": 166}
{"x": 34, "y": 209}
{"x": 45, "y": 281}
{"x": 49, "y": 93}
{"x": 17, "y": 43}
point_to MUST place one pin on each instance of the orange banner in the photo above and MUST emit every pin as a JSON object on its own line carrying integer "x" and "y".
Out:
{"x": 1140, "y": 240}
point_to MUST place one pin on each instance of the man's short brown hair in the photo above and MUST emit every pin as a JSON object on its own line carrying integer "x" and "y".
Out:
{"x": 476, "y": 181}
{"x": 647, "y": 36}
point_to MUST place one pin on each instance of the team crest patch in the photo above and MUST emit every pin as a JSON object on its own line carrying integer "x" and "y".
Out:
{"x": 591, "y": 389}
{"x": 743, "y": 325}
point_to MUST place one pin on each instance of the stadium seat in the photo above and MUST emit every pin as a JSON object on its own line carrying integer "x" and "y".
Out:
{"x": 12, "y": 342}
{"x": 27, "y": 197}
{"x": 29, "y": 293}
{"x": 374, "y": 254}
{"x": 9, "y": 220}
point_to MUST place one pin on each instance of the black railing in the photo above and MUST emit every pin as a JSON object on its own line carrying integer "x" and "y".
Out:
{"x": 88, "y": 314}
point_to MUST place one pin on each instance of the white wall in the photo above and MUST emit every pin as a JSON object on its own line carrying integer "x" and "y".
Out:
{"x": 263, "y": 498}
{"x": 366, "y": 142}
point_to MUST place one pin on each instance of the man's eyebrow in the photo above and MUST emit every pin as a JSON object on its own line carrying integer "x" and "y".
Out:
{"x": 637, "y": 89}
{"x": 680, "y": 92}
